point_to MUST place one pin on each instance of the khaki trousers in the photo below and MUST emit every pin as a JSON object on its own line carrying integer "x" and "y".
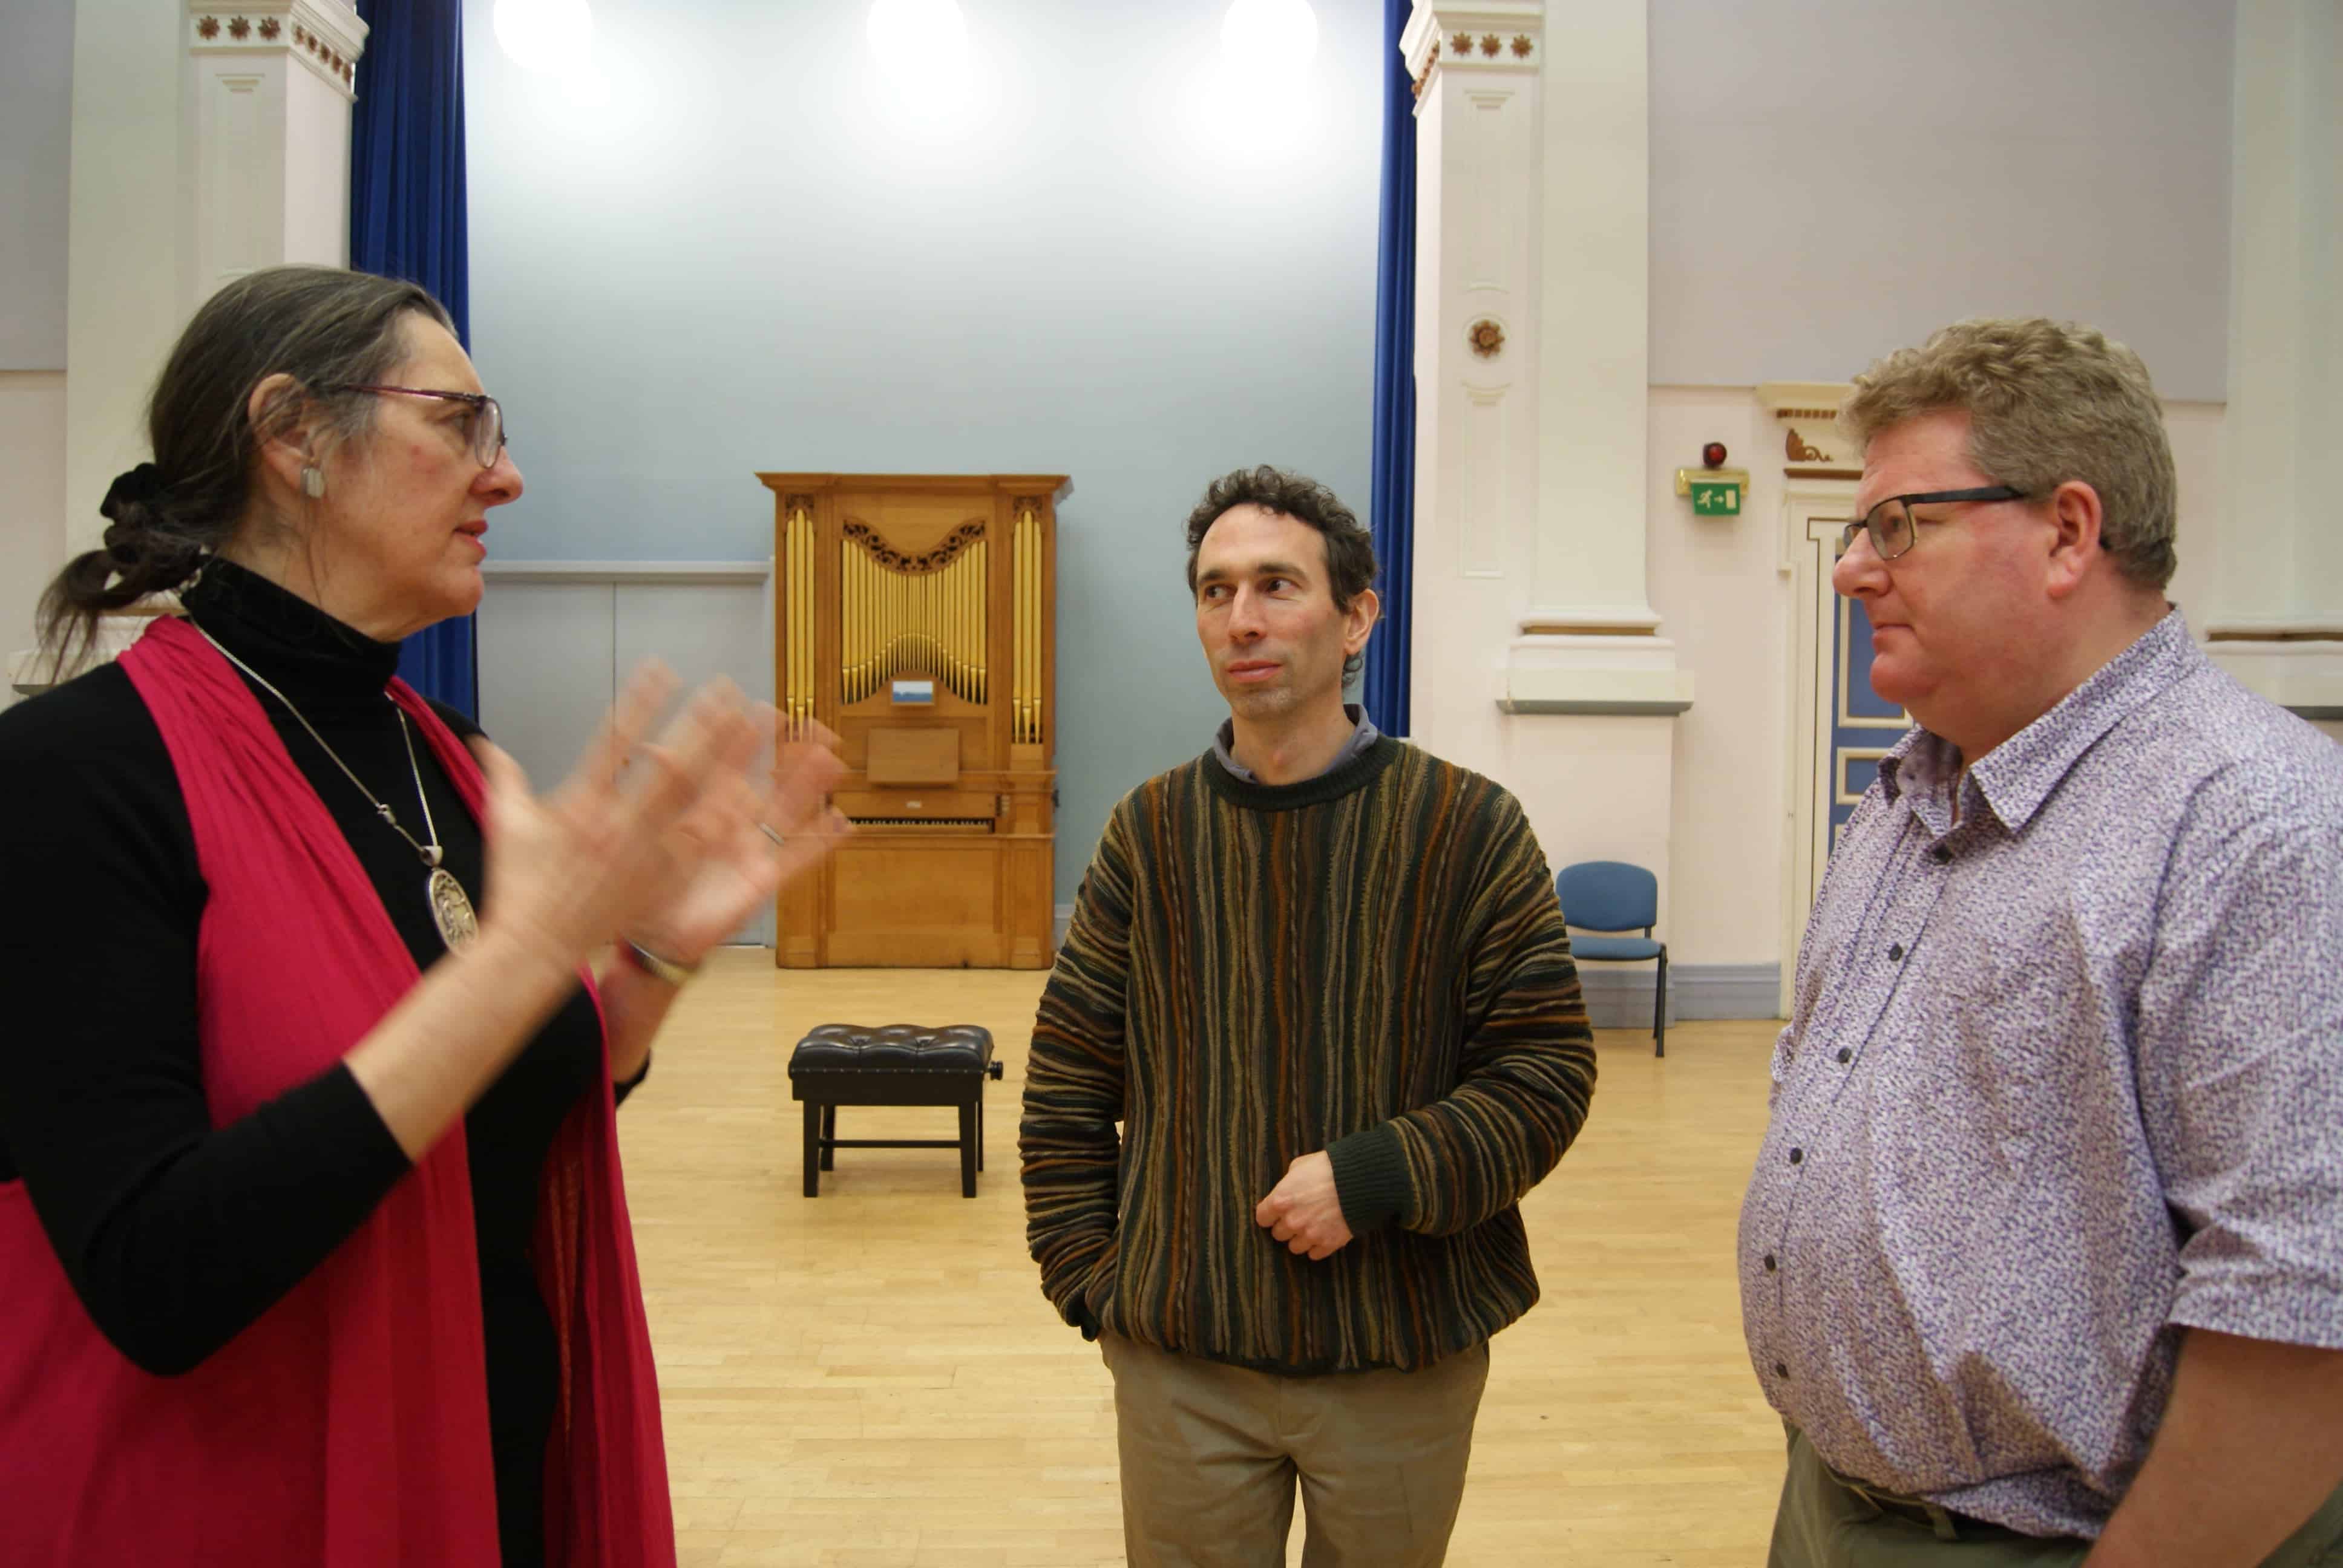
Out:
{"x": 1826, "y": 1523}
{"x": 1212, "y": 1454}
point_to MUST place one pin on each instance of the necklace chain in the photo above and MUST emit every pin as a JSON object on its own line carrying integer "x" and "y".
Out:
{"x": 430, "y": 853}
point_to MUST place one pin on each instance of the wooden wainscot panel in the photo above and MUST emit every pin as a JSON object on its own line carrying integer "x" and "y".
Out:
{"x": 910, "y": 901}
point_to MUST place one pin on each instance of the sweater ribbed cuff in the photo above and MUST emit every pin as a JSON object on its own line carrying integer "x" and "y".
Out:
{"x": 1371, "y": 1178}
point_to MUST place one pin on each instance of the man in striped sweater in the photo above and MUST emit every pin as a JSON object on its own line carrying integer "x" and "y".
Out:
{"x": 1319, "y": 977}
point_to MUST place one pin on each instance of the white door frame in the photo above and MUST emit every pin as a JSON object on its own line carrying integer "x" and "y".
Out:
{"x": 1813, "y": 513}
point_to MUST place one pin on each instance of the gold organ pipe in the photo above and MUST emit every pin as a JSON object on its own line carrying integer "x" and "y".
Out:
{"x": 1022, "y": 620}
{"x": 1029, "y": 620}
{"x": 1015, "y": 635}
{"x": 797, "y": 606}
{"x": 1021, "y": 709}
{"x": 793, "y": 570}
{"x": 1017, "y": 631}
{"x": 806, "y": 574}
{"x": 1034, "y": 620}
{"x": 793, "y": 566}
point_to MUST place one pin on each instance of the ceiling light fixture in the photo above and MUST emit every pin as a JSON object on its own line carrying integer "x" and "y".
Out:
{"x": 922, "y": 51}
{"x": 1270, "y": 36}
{"x": 556, "y": 36}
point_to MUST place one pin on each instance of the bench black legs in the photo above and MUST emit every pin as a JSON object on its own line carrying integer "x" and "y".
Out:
{"x": 822, "y": 1143}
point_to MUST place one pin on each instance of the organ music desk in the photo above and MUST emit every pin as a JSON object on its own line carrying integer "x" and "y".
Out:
{"x": 915, "y": 615}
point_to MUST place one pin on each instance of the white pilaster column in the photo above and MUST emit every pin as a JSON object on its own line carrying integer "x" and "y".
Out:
{"x": 2278, "y": 621}
{"x": 207, "y": 141}
{"x": 1476, "y": 355}
{"x": 1537, "y": 655}
{"x": 124, "y": 235}
{"x": 267, "y": 125}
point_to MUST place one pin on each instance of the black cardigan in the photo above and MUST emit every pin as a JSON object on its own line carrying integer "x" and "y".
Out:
{"x": 175, "y": 1234}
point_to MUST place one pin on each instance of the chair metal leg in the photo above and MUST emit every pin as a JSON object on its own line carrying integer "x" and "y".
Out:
{"x": 967, "y": 1149}
{"x": 979, "y": 1124}
{"x": 1660, "y": 1007}
{"x": 812, "y": 1149}
{"x": 829, "y": 1132}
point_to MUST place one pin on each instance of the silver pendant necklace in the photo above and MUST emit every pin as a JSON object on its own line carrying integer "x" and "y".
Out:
{"x": 451, "y": 907}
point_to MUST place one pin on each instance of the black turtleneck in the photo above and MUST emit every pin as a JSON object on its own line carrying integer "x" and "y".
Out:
{"x": 177, "y": 1234}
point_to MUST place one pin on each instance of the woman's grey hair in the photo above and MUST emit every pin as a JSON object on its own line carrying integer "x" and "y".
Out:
{"x": 2048, "y": 401}
{"x": 324, "y": 328}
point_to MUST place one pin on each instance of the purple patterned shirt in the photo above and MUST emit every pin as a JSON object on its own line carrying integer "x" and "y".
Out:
{"x": 2058, "y": 1082}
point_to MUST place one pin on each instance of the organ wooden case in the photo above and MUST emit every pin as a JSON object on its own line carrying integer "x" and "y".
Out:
{"x": 916, "y": 616}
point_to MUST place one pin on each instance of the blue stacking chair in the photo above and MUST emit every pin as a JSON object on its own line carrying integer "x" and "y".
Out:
{"x": 1614, "y": 896}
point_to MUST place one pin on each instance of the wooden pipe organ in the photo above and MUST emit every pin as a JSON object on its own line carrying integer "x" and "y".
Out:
{"x": 915, "y": 615}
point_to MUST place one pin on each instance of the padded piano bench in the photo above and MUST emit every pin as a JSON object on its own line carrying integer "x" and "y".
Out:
{"x": 898, "y": 1064}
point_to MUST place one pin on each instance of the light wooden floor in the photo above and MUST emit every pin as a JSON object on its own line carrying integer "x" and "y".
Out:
{"x": 872, "y": 1378}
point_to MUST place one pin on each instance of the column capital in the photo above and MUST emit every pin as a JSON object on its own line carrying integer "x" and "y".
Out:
{"x": 1496, "y": 35}
{"x": 325, "y": 35}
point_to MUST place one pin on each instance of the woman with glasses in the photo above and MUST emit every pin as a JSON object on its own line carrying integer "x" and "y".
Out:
{"x": 315, "y": 1244}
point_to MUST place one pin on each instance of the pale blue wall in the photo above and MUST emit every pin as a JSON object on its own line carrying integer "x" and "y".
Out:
{"x": 737, "y": 264}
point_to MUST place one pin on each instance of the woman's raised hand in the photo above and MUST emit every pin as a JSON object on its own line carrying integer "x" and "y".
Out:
{"x": 640, "y": 830}
{"x": 769, "y": 820}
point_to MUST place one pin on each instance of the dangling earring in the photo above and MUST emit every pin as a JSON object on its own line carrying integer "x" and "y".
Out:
{"x": 313, "y": 480}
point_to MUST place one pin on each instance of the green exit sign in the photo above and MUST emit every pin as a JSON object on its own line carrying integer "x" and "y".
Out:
{"x": 1715, "y": 498}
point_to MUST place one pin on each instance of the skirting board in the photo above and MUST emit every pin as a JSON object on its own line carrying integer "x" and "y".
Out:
{"x": 1619, "y": 996}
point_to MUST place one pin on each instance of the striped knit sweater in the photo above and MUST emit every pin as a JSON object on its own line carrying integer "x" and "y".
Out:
{"x": 1370, "y": 963}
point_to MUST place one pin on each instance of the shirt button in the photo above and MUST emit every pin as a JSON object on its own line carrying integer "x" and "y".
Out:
{"x": 1940, "y": 854}
{"x": 1797, "y": 1155}
{"x": 1844, "y": 1056}
{"x": 1769, "y": 1262}
{"x": 1895, "y": 952}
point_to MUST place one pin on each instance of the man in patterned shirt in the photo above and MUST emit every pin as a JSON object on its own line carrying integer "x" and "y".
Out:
{"x": 2043, "y": 1256}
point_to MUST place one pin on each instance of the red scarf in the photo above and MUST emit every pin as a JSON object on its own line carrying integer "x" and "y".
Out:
{"x": 348, "y": 1425}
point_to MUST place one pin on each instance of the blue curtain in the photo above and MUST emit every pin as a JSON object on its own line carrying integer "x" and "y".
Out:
{"x": 407, "y": 220}
{"x": 1391, "y": 506}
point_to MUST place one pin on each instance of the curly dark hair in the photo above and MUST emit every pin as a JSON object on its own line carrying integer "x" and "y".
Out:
{"x": 1350, "y": 548}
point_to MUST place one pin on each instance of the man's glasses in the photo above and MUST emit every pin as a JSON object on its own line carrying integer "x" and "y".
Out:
{"x": 484, "y": 427}
{"x": 1892, "y": 526}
